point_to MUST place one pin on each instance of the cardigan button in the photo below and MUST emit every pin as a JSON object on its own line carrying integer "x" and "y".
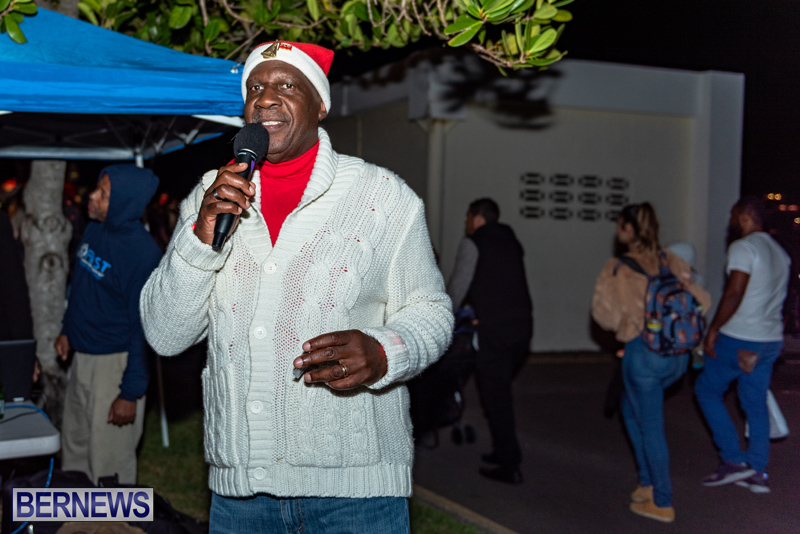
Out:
{"x": 256, "y": 406}
{"x": 270, "y": 267}
{"x": 259, "y": 332}
{"x": 259, "y": 473}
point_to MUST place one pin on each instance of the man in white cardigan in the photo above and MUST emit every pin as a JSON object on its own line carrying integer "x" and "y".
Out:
{"x": 323, "y": 302}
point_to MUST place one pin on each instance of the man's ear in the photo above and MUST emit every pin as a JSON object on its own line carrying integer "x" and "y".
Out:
{"x": 322, "y": 111}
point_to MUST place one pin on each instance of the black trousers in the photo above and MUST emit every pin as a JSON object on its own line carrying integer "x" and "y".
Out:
{"x": 497, "y": 362}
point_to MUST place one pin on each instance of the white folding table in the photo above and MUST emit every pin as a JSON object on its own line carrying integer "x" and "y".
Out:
{"x": 24, "y": 432}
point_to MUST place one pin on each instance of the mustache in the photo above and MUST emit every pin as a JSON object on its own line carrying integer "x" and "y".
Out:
{"x": 262, "y": 116}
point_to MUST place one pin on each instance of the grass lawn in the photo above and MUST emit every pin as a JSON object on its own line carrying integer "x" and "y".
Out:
{"x": 179, "y": 473}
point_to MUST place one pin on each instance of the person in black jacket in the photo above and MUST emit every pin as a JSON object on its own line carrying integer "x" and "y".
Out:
{"x": 490, "y": 276}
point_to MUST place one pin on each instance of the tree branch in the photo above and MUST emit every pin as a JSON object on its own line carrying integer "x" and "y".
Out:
{"x": 245, "y": 43}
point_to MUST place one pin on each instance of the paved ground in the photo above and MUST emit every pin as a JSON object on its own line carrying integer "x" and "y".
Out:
{"x": 578, "y": 469}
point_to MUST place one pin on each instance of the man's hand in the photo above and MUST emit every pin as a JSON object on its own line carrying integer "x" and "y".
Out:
{"x": 122, "y": 412}
{"x": 709, "y": 342}
{"x": 360, "y": 354}
{"x": 62, "y": 347}
{"x": 229, "y": 186}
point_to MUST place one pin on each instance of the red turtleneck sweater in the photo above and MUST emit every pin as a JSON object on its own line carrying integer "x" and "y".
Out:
{"x": 282, "y": 187}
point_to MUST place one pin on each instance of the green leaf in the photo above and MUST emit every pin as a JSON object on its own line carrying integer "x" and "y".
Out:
{"x": 26, "y": 9}
{"x": 360, "y": 10}
{"x": 261, "y": 14}
{"x": 545, "y": 12}
{"x": 313, "y": 9}
{"x": 13, "y": 30}
{"x": 179, "y": 17}
{"x": 464, "y": 37}
{"x": 543, "y": 61}
{"x": 18, "y": 17}
{"x": 462, "y": 23}
{"x": 519, "y": 36}
{"x": 4, "y": 4}
{"x": 185, "y": 2}
{"x": 350, "y": 24}
{"x": 562, "y": 3}
{"x": 498, "y": 5}
{"x": 23, "y": 2}
{"x": 544, "y": 41}
{"x": 211, "y": 31}
{"x": 563, "y": 16}
{"x": 525, "y": 6}
{"x": 511, "y": 44}
{"x": 95, "y": 5}
{"x": 473, "y": 8}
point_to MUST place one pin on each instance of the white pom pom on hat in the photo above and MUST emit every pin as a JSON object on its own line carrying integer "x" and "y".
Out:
{"x": 313, "y": 61}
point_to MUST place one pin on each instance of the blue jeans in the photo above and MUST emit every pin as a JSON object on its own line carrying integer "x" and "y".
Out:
{"x": 646, "y": 374}
{"x": 310, "y": 515}
{"x": 712, "y": 384}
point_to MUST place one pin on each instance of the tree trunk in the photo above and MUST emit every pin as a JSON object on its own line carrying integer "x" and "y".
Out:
{"x": 45, "y": 235}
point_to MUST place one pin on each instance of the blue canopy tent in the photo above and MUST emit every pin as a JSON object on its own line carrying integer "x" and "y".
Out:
{"x": 78, "y": 91}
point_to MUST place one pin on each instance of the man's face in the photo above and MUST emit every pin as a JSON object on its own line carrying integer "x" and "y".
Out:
{"x": 281, "y": 98}
{"x": 99, "y": 199}
{"x": 469, "y": 224}
{"x": 734, "y": 225}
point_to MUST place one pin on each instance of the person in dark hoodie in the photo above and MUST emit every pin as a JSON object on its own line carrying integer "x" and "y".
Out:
{"x": 104, "y": 404}
{"x": 489, "y": 275}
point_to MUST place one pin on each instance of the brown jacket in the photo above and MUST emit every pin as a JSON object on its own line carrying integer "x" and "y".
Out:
{"x": 618, "y": 302}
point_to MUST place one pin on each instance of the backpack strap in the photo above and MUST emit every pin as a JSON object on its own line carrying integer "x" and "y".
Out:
{"x": 633, "y": 264}
{"x": 663, "y": 265}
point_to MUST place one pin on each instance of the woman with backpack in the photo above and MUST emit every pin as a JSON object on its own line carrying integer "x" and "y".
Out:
{"x": 624, "y": 297}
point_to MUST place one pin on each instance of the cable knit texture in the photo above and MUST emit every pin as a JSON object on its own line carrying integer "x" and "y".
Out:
{"x": 355, "y": 254}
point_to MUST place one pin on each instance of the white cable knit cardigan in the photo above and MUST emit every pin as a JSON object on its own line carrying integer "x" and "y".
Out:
{"x": 355, "y": 254}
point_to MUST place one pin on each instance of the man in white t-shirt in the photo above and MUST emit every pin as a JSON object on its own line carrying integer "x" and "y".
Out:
{"x": 742, "y": 343}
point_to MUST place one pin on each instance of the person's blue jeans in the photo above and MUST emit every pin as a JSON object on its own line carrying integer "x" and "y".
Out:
{"x": 752, "y": 387}
{"x": 646, "y": 374}
{"x": 310, "y": 515}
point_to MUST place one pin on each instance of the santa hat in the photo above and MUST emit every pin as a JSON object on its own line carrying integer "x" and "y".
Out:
{"x": 312, "y": 60}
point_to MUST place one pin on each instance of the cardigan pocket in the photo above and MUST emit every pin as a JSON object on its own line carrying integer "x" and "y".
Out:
{"x": 218, "y": 434}
{"x": 334, "y": 429}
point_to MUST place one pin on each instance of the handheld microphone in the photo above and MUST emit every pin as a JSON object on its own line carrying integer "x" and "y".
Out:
{"x": 250, "y": 146}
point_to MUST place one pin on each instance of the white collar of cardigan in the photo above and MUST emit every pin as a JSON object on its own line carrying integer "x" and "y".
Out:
{"x": 321, "y": 176}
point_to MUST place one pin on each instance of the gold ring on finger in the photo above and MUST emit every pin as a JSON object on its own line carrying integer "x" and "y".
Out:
{"x": 344, "y": 370}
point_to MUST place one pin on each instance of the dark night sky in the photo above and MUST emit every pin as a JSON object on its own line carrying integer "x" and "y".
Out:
{"x": 759, "y": 39}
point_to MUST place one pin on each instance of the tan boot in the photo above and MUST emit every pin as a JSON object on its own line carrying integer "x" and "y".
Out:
{"x": 649, "y": 509}
{"x": 642, "y": 494}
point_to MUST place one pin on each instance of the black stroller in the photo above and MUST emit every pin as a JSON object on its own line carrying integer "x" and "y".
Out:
{"x": 436, "y": 400}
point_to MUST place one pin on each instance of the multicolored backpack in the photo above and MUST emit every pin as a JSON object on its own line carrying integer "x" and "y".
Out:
{"x": 673, "y": 318}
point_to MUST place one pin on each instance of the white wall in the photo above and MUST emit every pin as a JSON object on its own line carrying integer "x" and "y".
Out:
{"x": 387, "y": 138}
{"x": 563, "y": 257}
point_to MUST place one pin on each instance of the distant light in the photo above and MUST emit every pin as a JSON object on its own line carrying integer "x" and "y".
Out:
{"x": 771, "y": 196}
{"x": 9, "y": 185}
{"x": 793, "y": 207}
{"x": 782, "y": 207}
{"x": 797, "y": 220}
{"x": 777, "y": 196}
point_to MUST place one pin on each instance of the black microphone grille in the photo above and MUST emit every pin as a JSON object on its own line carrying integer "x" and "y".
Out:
{"x": 253, "y": 137}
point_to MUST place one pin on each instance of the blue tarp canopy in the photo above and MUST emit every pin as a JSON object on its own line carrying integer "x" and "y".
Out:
{"x": 76, "y": 90}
